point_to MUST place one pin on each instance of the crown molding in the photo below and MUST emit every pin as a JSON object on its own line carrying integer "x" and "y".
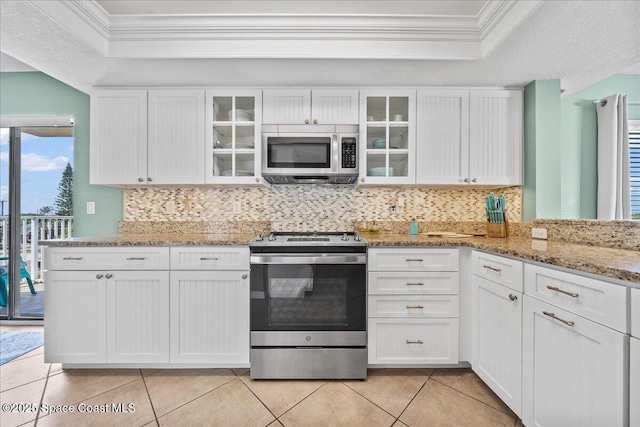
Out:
{"x": 289, "y": 35}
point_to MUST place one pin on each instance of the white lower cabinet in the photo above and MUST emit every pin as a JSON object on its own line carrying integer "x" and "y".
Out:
{"x": 76, "y": 317}
{"x": 210, "y": 317}
{"x": 497, "y": 340}
{"x": 137, "y": 317}
{"x": 634, "y": 383}
{"x": 574, "y": 369}
{"x": 413, "y": 314}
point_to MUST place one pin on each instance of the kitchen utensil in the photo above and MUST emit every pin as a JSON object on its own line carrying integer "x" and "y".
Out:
{"x": 241, "y": 115}
{"x": 369, "y": 118}
{"x": 398, "y": 118}
{"x": 379, "y": 143}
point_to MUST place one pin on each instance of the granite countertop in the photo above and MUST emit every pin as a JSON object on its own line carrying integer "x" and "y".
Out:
{"x": 156, "y": 239}
{"x": 613, "y": 263}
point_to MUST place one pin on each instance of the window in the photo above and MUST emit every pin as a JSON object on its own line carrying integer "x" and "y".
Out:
{"x": 634, "y": 160}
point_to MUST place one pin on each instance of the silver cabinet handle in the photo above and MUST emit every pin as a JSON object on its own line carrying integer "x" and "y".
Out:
{"x": 513, "y": 297}
{"x": 553, "y": 316}
{"x": 244, "y": 276}
{"x": 414, "y": 260}
{"x": 415, "y": 342}
{"x": 257, "y": 179}
{"x": 415, "y": 284}
{"x": 70, "y": 258}
{"x": 109, "y": 276}
{"x": 466, "y": 180}
{"x": 315, "y": 122}
{"x": 306, "y": 121}
{"x": 149, "y": 179}
{"x": 414, "y": 306}
{"x": 492, "y": 268}
{"x": 208, "y": 259}
{"x": 99, "y": 276}
{"x": 136, "y": 259}
{"x": 362, "y": 179}
{"x": 140, "y": 180}
{"x": 474, "y": 180}
{"x": 555, "y": 288}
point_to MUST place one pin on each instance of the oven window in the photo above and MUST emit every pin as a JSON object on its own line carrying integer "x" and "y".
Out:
{"x": 302, "y": 152}
{"x": 308, "y": 297}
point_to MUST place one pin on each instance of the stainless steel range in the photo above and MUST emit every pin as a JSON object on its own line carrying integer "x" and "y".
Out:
{"x": 308, "y": 306}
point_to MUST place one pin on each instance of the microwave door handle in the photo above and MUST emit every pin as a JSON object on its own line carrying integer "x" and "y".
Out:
{"x": 335, "y": 163}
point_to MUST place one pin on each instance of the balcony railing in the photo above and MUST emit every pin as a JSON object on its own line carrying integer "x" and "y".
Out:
{"x": 32, "y": 229}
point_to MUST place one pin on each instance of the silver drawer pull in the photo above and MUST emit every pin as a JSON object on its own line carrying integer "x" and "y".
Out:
{"x": 136, "y": 259}
{"x": 415, "y": 342}
{"x": 414, "y": 306}
{"x": 492, "y": 268}
{"x": 70, "y": 258}
{"x": 99, "y": 276}
{"x": 415, "y": 284}
{"x": 553, "y": 316}
{"x": 513, "y": 297}
{"x": 209, "y": 259}
{"x": 414, "y": 260}
{"x": 555, "y": 288}
{"x": 108, "y": 275}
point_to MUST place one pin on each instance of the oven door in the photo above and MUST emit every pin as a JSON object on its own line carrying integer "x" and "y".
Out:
{"x": 301, "y": 155}
{"x": 314, "y": 292}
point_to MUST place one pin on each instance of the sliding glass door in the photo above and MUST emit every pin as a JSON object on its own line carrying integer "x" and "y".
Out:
{"x": 36, "y": 189}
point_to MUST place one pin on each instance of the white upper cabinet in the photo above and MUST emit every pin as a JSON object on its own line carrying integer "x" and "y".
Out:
{"x": 176, "y": 137}
{"x": 233, "y": 132}
{"x": 387, "y": 136}
{"x": 443, "y": 137}
{"x": 303, "y": 106}
{"x": 495, "y": 137}
{"x": 147, "y": 137}
{"x": 469, "y": 137}
{"x": 118, "y": 142}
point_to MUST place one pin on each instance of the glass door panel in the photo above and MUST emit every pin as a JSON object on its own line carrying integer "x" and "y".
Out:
{"x": 222, "y": 106}
{"x": 398, "y": 108}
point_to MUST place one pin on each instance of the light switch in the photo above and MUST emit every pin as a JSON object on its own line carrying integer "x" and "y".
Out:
{"x": 91, "y": 208}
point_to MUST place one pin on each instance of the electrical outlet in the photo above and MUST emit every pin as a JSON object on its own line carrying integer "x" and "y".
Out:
{"x": 392, "y": 209}
{"x": 539, "y": 233}
{"x": 91, "y": 208}
{"x": 170, "y": 207}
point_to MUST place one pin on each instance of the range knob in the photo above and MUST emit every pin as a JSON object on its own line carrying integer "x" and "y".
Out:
{"x": 345, "y": 237}
{"x": 259, "y": 238}
{"x": 272, "y": 237}
{"x": 357, "y": 237}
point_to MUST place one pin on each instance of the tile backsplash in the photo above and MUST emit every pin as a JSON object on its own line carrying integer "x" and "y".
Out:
{"x": 313, "y": 208}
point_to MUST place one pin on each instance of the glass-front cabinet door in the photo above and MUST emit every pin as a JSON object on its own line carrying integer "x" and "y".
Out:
{"x": 387, "y": 126}
{"x": 234, "y": 118}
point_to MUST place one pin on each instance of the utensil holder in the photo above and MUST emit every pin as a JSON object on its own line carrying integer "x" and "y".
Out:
{"x": 498, "y": 229}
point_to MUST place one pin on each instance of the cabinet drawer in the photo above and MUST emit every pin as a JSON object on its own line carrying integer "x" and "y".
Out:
{"x": 602, "y": 302}
{"x": 210, "y": 258}
{"x": 413, "y": 306}
{"x": 383, "y": 283}
{"x": 413, "y": 259}
{"x": 635, "y": 312}
{"x": 413, "y": 341}
{"x": 504, "y": 271}
{"x": 107, "y": 258}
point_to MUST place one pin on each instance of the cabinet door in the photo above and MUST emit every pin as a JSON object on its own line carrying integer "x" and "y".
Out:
{"x": 573, "y": 374}
{"x": 75, "y": 325}
{"x": 233, "y": 134}
{"x": 137, "y": 316}
{"x": 497, "y": 340}
{"x": 387, "y": 137}
{"x": 118, "y": 143}
{"x": 210, "y": 317}
{"x": 495, "y": 137}
{"x": 286, "y": 106}
{"x": 443, "y": 137}
{"x": 413, "y": 341}
{"x": 634, "y": 383}
{"x": 176, "y": 137}
{"x": 334, "y": 107}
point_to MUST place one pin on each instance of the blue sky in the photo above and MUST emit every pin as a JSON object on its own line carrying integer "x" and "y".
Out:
{"x": 43, "y": 161}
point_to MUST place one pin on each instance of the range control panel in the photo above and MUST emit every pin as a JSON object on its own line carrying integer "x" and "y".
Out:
{"x": 349, "y": 152}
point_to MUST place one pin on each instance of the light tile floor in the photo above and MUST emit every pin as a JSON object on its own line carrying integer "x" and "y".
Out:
{"x": 228, "y": 397}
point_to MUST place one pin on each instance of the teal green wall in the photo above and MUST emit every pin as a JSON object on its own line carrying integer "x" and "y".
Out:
{"x": 579, "y": 133}
{"x": 36, "y": 94}
{"x": 542, "y": 150}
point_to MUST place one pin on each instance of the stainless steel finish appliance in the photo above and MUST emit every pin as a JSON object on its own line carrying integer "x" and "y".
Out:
{"x": 310, "y": 154}
{"x": 308, "y": 306}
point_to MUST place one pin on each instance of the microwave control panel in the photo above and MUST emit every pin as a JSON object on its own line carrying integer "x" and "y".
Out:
{"x": 348, "y": 153}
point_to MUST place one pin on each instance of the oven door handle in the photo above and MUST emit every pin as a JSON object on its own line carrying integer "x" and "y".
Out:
{"x": 309, "y": 259}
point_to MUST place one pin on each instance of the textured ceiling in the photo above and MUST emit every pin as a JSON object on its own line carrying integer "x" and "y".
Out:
{"x": 579, "y": 42}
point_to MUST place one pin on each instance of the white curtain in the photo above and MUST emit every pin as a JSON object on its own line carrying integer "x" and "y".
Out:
{"x": 614, "y": 191}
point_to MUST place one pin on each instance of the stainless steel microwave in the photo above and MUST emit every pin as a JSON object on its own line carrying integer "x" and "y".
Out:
{"x": 310, "y": 154}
